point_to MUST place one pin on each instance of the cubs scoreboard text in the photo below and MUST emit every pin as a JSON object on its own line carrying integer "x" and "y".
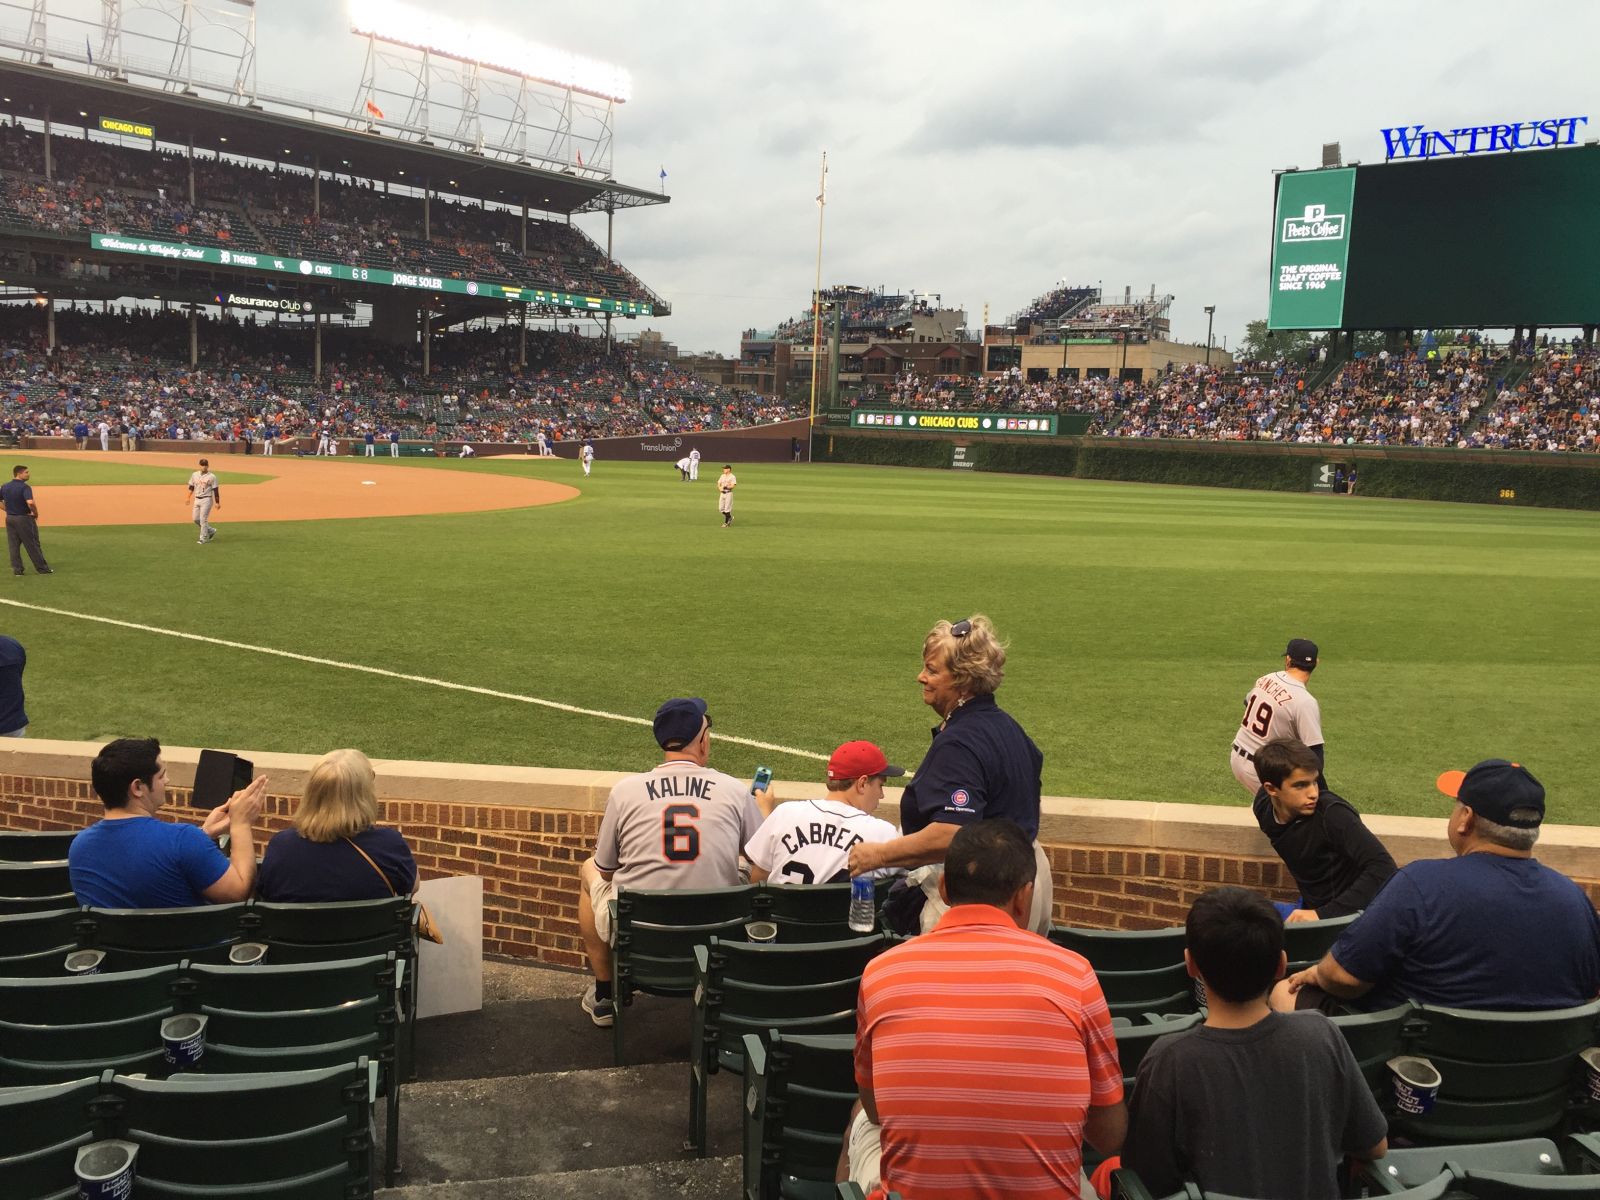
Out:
{"x": 945, "y": 422}
{"x": 311, "y": 269}
{"x": 1493, "y": 241}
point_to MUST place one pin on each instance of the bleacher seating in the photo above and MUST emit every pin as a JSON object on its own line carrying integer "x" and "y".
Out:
{"x": 798, "y": 1089}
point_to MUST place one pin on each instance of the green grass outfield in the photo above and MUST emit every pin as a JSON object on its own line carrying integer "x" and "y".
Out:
{"x": 1138, "y": 617}
{"x": 64, "y": 472}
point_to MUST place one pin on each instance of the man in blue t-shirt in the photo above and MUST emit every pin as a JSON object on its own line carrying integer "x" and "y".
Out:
{"x": 132, "y": 860}
{"x": 1489, "y": 929}
{"x": 13, "y": 658}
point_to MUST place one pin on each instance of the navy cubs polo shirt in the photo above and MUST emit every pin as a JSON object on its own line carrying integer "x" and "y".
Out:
{"x": 981, "y": 764}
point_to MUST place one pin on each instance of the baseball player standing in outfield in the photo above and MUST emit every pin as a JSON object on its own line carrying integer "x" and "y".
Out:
{"x": 808, "y": 841}
{"x": 587, "y": 454}
{"x": 680, "y": 825}
{"x": 694, "y": 464}
{"x": 1279, "y": 706}
{"x": 204, "y": 492}
{"x": 726, "y": 482}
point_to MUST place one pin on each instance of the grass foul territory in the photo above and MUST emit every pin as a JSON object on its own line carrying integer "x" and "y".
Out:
{"x": 1137, "y": 618}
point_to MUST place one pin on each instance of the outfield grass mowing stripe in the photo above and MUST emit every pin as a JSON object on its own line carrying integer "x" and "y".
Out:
{"x": 424, "y": 679}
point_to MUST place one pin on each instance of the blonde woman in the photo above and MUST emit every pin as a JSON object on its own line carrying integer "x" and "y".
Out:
{"x": 981, "y": 765}
{"x": 336, "y": 851}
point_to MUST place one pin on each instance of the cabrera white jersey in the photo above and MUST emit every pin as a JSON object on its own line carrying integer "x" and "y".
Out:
{"x": 808, "y": 841}
{"x": 677, "y": 826}
{"x": 1278, "y": 706}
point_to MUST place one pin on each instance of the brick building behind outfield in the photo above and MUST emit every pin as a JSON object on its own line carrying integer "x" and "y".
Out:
{"x": 525, "y": 830}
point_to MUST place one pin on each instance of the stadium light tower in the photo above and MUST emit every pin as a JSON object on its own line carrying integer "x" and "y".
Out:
{"x": 1211, "y": 311}
{"x": 1126, "y": 330}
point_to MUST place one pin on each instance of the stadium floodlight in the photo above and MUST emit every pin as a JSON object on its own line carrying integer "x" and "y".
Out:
{"x": 391, "y": 21}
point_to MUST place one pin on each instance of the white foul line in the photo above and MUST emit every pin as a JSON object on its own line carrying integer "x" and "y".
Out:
{"x": 431, "y": 682}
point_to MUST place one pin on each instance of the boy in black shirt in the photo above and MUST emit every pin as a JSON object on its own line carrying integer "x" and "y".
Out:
{"x": 1336, "y": 861}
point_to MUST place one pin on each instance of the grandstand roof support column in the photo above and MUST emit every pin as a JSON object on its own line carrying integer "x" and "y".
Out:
{"x": 316, "y": 347}
{"x": 427, "y": 194}
{"x": 50, "y": 323}
{"x": 194, "y": 336}
{"x": 191, "y": 167}
{"x": 522, "y": 341}
{"x": 524, "y": 251}
{"x": 316, "y": 186}
{"x": 427, "y": 342}
{"x": 49, "y": 167}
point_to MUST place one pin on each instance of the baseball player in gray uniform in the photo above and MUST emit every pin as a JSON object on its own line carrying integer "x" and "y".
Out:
{"x": 680, "y": 825}
{"x": 1278, "y": 706}
{"x": 726, "y": 482}
{"x": 204, "y": 492}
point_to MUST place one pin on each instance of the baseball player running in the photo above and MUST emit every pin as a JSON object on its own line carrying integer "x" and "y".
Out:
{"x": 204, "y": 492}
{"x": 726, "y": 482}
{"x": 1278, "y": 706}
{"x": 680, "y": 825}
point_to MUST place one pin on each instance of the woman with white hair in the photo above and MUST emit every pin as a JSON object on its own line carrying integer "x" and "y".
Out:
{"x": 981, "y": 765}
{"x": 336, "y": 850}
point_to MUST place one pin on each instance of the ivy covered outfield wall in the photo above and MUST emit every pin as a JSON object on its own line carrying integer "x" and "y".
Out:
{"x": 1539, "y": 480}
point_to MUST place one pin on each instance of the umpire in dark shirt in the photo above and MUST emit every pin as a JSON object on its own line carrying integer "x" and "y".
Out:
{"x": 22, "y": 522}
{"x": 1336, "y": 861}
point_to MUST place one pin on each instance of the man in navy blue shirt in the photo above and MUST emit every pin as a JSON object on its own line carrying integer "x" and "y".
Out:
{"x": 13, "y": 720}
{"x": 1491, "y": 928}
{"x": 22, "y": 522}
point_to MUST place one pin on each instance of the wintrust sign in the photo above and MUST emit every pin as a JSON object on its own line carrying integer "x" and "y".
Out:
{"x": 1418, "y": 141}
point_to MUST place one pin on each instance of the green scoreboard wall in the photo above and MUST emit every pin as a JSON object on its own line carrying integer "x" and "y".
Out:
{"x": 1497, "y": 240}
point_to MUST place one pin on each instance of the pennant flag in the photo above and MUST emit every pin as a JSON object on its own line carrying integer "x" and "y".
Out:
{"x": 579, "y": 153}
{"x": 663, "y": 172}
{"x": 374, "y": 109}
{"x": 87, "y": 50}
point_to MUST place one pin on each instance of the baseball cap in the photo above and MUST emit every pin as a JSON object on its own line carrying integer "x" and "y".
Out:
{"x": 1302, "y": 652}
{"x": 855, "y": 759}
{"x": 679, "y": 721}
{"x": 1494, "y": 789}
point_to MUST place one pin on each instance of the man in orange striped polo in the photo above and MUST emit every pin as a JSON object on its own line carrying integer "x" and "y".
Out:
{"x": 983, "y": 1051}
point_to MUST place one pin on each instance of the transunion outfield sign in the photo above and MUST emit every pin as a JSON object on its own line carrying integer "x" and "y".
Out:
{"x": 1418, "y": 141}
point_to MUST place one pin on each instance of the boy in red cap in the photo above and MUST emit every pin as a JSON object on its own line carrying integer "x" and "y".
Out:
{"x": 808, "y": 841}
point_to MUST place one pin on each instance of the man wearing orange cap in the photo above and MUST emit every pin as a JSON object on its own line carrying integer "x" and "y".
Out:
{"x": 808, "y": 841}
{"x": 1491, "y": 928}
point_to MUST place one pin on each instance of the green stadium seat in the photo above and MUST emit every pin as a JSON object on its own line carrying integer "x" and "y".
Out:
{"x": 1135, "y": 1039}
{"x": 1305, "y": 942}
{"x": 798, "y": 1093}
{"x": 299, "y": 933}
{"x": 757, "y": 988}
{"x": 1496, "y": 1185}
{"x": 304, "y": 1016}
{"x": 1505, "y": 1075}
{"x": 41, "y": 1129}
{"x": 656, "y": 933}
{"x": 20, "y": 846}
{"x": 15, "y": 905}
{"x": 1374, "y": 1038}
{"x": 53, "y": 1030}
{"x": 31, "y": 880}
{"x": 141, "y": 937}
{"x": 1413, "y": 1166}
{"x": 1126, "y": 1185}
{"x": 1123, "y": 949}
{"x": 811, "y": 912}
{"x": 38, "y": 943}
{"x": 299, "y": 1135}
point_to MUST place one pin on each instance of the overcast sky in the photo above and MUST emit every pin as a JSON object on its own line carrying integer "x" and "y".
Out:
{"x": 985, "y": 152}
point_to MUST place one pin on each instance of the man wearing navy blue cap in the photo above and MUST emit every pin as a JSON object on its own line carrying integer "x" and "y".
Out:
{"x": 1491, "y": 928}
{"x": 680, "y": 825}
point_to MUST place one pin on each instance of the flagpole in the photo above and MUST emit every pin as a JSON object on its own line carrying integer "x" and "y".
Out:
{"x": 816, "y": 294}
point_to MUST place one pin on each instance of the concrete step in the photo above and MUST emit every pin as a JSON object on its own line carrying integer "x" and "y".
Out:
{"x": 695, "y": 1179}
{"x": 512, "y": 1127}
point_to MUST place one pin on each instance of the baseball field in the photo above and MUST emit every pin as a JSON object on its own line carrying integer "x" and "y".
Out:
{"x": 542, "y": 633}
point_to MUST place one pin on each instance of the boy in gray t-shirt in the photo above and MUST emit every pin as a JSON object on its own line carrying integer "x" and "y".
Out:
{"x": 1253, "y": 1102}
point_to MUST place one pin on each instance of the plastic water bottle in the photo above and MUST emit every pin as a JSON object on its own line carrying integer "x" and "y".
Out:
{"x": 863, "y": 917}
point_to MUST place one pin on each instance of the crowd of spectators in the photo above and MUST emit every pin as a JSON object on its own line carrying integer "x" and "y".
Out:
{"x": 129, "y": 368}
{"x": 100, "y": 188}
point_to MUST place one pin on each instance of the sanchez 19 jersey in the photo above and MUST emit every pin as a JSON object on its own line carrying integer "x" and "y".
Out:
{"x": 1279, "y": 706}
